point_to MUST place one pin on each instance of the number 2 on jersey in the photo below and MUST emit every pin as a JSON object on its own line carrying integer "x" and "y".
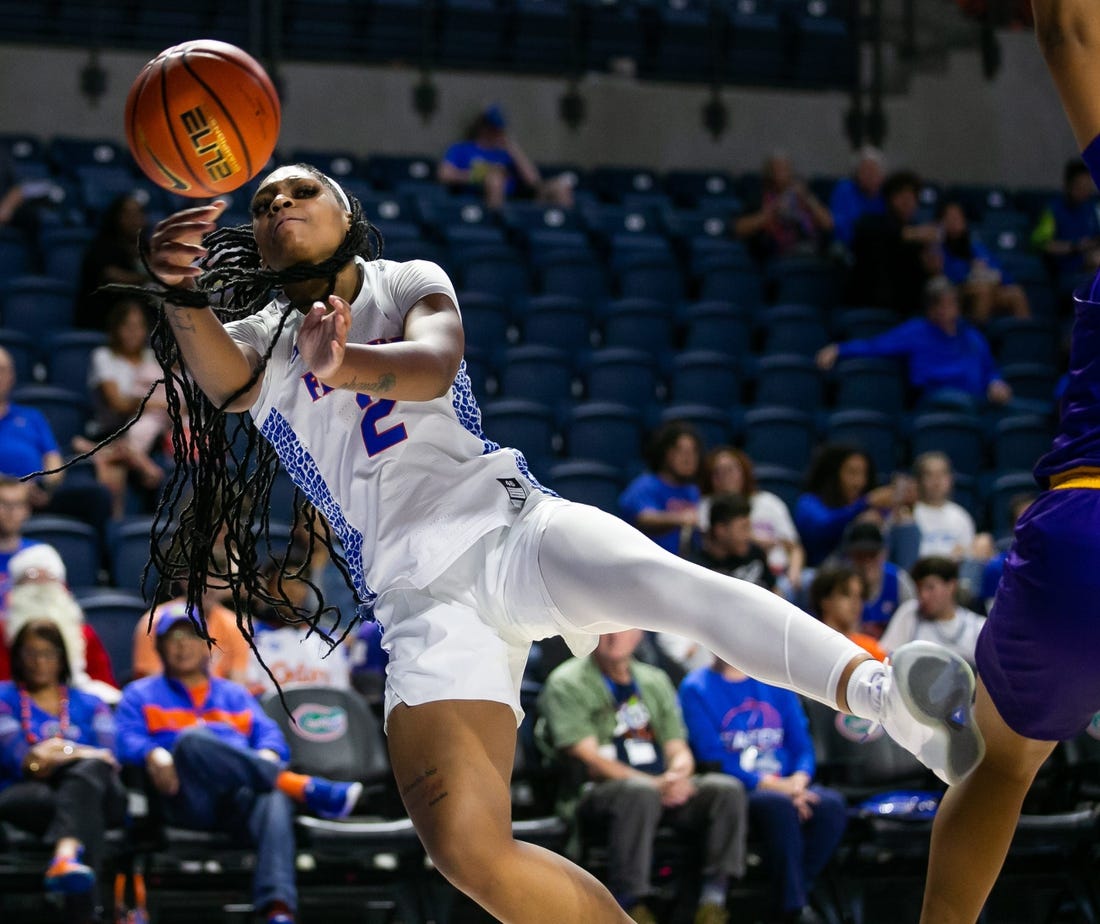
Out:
{"x": 376, "y": 409}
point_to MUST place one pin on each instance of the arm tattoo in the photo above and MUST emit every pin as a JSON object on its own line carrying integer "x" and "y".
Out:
{"x": 179, "y": 318}
{"x": 386, "y": 382}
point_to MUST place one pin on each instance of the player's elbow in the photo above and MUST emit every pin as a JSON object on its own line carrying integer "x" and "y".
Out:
{"x": 1061, "y": 25}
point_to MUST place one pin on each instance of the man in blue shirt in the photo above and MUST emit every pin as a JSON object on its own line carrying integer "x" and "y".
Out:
{"x": 944, "y": 352}
{"x": 1069, "y": 230}
{"x": 858, "y": 195}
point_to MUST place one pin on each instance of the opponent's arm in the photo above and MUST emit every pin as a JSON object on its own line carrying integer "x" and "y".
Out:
{"x": 420, "y": 367}
{"x": 219, "y": 365}
{"x": 1069, "y": 37}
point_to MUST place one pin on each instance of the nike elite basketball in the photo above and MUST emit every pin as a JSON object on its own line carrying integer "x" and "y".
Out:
{"x": 202, "y": 118}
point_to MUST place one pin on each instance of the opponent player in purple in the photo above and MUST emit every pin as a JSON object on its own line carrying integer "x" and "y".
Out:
{"x": 1039, "y": 653}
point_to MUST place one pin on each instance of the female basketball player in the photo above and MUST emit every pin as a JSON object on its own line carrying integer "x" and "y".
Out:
{"x": 355, "y": 375}
{"x": 1038, "y": 653}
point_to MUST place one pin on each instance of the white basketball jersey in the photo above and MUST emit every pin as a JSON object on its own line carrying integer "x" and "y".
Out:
{"x": 407, "y": 485}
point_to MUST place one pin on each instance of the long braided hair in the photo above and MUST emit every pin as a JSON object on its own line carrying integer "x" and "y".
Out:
{"x": 212, "y": 527}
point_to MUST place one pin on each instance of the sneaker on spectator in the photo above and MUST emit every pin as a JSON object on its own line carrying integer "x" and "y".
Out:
{"x": 69, "y": 876}
{"x": 926, "y": 694}
{"x": 331, "y": 799}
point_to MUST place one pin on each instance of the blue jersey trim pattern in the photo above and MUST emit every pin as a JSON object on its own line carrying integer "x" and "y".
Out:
{"x": 304, "y": 472}
{"x": 469, "y": 415}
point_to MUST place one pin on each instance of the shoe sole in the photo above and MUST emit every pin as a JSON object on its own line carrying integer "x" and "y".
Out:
{"x": 937, "y": 686}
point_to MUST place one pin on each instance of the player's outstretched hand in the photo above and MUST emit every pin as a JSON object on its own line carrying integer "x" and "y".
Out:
{"x": 324, "y": 336}
{"x": 177, "y": 243}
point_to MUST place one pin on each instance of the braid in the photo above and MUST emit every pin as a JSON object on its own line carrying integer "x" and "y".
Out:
{"x": 211, "y": 526}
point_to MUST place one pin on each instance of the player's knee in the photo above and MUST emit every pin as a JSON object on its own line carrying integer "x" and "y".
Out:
{"x": 472, "y": 864}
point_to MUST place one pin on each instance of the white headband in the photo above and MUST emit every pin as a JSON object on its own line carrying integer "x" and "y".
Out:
{"x": 329, "y": 181}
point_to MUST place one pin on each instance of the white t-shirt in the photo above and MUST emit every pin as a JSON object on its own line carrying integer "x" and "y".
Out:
{"x": 943, "y": 529}
{"x": 294, "y": 656}
{"x": 408, "y": 486}
{"x": 960, "y": 633}
{"x": 133, "y": 381}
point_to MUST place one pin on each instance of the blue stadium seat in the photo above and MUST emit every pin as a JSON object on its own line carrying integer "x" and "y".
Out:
{"x": 607, "y": 433}
{"x": 786, "y": 483}
{"x": 68, "y": 153}
{"x": 128, "y": 554}
{"x": 789, "y": 380}
{"x": 870, "y": 384}
{"x": 793, "y": 329}
{"x": 69, "y": 356}
{"x": 23, "y": 352}
{"x": 779, "y": 436}
{"x": 543, "y": 36}
{"x": 587, "y": 482}
{"x": 614, "y": 30}
{"x": 650, "y": 276}
{"x": 705, "y": 377}
{"x": 67, "y": 412}
{"x": 715, "y": 426}
{"x": 1023, "y": 340}
{"x": 874, "y": 432}
{"x": 32, "y": 304}
{"x": 15, "y": 254}
{"x": 958, "y": 435}
{"x": 1025, "y": 266}
{"x": 621, "y": 376}
{"x": 1019, "y": 441}
{"x": 638, "y": 323}
{"x": 545, "y": 226}
{"x": 859, "y": 322}
{"x": 805, "y": 282}
{"x": 62, "y": 252}
{"x": 114, "y": 615}
{"x": 1032, "y": 381}
{"x": 479, "y": 371}
{"x": 341, "y": 164}
{"x": 471, "y": 33}
{"x": 557, "y": 321}
{"x": 76, "y": 542}
{"x": 579, "y": 275}
{"x": 524, "y": 425}
{"x": 611, "y": 184}
{"x": 687, "y": 187}
{"x": 827, "y": 49}
{"x": 536, "y": 373}
{"x": 686, "y": 31}
{"x": 724, "y": 280}
{"x": 485, "y": 319}
{"x": 1003, "y": 488}
{"x": 1005, "y": 230}
{"x": 498, "y": 271}
{"x": 718, "y": 326}
{"x": 756, "y": 51}
{"x": 389, "y": 171}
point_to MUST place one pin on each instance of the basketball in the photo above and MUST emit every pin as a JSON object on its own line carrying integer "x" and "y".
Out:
{"x": 202, "y": 118}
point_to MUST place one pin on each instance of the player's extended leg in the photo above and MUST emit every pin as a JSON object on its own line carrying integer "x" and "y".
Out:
{"x": 453, "y": 764}
{"x": 977, "y": 818}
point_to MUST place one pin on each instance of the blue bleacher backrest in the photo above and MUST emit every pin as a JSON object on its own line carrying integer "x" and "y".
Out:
{"x": 602, "y": 432}
{"x": 76, "y": 542}
{"x": 958, "y": 435}
{"x": 779, "y": 436}
{"x": 115, "y": 616}
{"x": 69, "y": 355}
{"x": 33, "y": 304}
{"x": 705, "y": 377}
{"x": 587, "y": 482}
{"x": 128, "y": 553}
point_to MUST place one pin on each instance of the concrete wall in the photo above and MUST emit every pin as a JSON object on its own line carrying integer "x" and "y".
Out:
{"x": 951, "y": 126}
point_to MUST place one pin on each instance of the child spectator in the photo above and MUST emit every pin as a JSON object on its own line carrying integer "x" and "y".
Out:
{"x": 836, "y": 598}
{"x": 885, "y": 586}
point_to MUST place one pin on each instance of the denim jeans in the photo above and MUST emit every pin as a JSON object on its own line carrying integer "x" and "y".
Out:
{"x": 223, "y": 788}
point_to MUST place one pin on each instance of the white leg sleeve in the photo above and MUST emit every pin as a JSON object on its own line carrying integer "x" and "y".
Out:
{"x": 605, "y": 576}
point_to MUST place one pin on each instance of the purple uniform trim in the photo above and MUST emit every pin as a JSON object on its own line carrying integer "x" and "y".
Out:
{"x": 1091, "y": 157}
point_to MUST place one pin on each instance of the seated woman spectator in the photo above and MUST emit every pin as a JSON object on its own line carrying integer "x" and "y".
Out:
{"x": 935, "y": 616}
{"x": 121, "y": 374}
{"x": 38, "y": 586}
{"x": 986, "y": 288}
{"x": 664, "y": 502}
{"x": 836, "y": 598}
{"x": 58, "y": 774}
{"x": 726, "y": 470}
{"x": 840, "y": 486}
{"x": 490, "y": 161}
{"x": 112, "y": 256}
{"x": 789, "y": 220}
{"x": 946, "y": 528}
{"x": 759, "y": 734}
{"x": 1068, "y": 231}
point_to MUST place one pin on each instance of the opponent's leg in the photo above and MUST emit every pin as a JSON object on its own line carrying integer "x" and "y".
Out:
{"x": 453, "y": 764}
{"x": 977, "y": 818}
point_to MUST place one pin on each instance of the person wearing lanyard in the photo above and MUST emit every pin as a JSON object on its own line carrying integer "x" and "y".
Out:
{"x": 58, "y": 773}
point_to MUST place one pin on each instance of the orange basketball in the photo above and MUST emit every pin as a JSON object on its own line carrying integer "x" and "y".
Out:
{"x": 202, "y": 118}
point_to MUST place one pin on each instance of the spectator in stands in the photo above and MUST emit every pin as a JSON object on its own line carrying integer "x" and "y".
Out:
{"x": 1068, "y": 231}
{"x": 759, "y": 735}
{"x": 726, "y": 470}
{"x": 120, "y": 375}
{"x": 892, "y": 251}
{"x": 38, "y": 586}
{"x": 727, "y": 547}
{"x": 290, "y": 652}
{"x": 994, "y": 568}
{"x": 986, "y": 288}
{"x": 27, "y": 445}
{"x": 112, "y": 257}
{"x": 858, "y": 195}
{"x": 885, "y": 586}
{"x": 945, "y": 354}
{"x": 58, "y": 773}
{"x": 618, "y": 721}
{"x": 840, "y": 487}
{"x": 946, "y": 528}
{"x": 15, "y": 508}
{"x": 216, "y": 759}
{"x": 935, "y": 616}
{"x": 490, "y": 161}
{"x": 789, "y": 220}
{"x": 836, "y": 598}
{"x": 664, "y": 502}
